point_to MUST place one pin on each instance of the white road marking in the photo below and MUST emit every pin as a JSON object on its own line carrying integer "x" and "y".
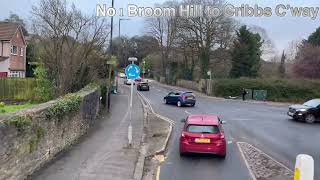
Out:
{"x": 187, "y": 112}
{"x": 229, "y": 142}
{"x": 156, "y": 114}
{"x": 279, "y": 163}
{"x": 241, "y": 119}
{"x": 253, "y": 177}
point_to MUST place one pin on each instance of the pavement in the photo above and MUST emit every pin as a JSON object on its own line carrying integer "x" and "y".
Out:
{"x": 262, "y": 125}
{"x": 102, "y": 154}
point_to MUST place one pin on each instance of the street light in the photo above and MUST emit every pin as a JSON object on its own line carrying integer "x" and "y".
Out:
{"x": 144, "y": 69}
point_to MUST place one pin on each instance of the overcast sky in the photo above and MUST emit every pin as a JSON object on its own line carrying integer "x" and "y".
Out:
{"x": 282, "y": 30}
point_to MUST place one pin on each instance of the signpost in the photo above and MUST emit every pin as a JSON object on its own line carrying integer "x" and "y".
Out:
{"x": 132, "y": 72}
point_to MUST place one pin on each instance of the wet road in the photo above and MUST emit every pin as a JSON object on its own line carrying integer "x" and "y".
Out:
{"x": 265, "y": 126}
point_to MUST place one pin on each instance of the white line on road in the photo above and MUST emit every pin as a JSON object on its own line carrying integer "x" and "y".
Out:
{"x": 158, "y": 115}
{"x": 279, "y": 163}
{"x": 253, "y": 177}
{"x": 187, "y": 112}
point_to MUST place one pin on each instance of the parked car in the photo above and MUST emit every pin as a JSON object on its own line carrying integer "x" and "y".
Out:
{"x": 308, "y": 112}
{"x": 128, "y": 81}
{"x": 203, "y": 134}
{"x": 143, "y": 86}
{"x": 180, "y": 98}
{"x": 138, "y": 79}
{"x": 122, "y": 75}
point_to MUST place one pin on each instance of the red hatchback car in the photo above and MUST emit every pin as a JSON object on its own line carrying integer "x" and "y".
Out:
{"x": 203, "y": 134}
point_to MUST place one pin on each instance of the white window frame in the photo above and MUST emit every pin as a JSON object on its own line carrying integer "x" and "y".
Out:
{"x": 12, "y": 50}
{"x": 21, "y": 51}
{"x": 15, "y": 74}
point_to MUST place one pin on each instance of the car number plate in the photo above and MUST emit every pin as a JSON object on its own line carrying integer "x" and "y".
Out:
{"x": 189, "y": 97}
{"x": 202, "y": 140}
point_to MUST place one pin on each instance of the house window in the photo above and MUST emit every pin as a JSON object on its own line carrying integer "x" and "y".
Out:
{"x": 14, "y": 50}
{"x": 21, "y": 51}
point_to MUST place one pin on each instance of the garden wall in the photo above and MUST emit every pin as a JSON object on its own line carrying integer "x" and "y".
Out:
{"x": 31, "y": 138}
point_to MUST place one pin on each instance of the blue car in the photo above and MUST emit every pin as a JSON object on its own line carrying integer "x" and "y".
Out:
{"x": 180, "y": 98}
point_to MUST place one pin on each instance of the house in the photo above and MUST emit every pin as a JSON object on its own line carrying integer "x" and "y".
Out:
{"x": 12, "y": 50}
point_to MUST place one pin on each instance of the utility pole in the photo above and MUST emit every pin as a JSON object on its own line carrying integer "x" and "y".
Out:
{"x": 110, "y": 47}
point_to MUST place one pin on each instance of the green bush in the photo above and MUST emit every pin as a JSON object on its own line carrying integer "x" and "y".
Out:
{"x": 44, "y": 89}
{"x": 104, "y": 91}
{"x": 283, "y": 90}
{"x": 66, "y": 104}
{"x": 2, "y": 104}
{"x": 20, "y": 122}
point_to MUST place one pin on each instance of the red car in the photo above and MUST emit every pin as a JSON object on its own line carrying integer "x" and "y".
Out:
{"x": 203, "y": 134}
{"x": 138, "y": 79}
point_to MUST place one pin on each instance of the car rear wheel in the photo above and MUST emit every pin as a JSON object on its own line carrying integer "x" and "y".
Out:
{"x": 179, "y": 103}
{"x": 165, "y": 101}
{"x": 310, "y": 118}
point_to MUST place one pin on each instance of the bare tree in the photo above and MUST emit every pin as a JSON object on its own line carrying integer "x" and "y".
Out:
{"x": 71, "y": 42}
{"x": 307, "y": 62}
{"x": 164, "y": 29}
{"x": 209, "y": 32}
{"x": 268, "y": 47}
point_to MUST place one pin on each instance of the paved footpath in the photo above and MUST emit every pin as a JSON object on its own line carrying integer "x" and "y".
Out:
{"x": 102, "y": 154}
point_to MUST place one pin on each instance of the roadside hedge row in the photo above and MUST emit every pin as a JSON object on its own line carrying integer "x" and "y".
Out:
{"x": 280, "y": 90}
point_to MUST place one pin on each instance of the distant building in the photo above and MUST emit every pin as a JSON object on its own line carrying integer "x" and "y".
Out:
{"x": 12, "y": 50}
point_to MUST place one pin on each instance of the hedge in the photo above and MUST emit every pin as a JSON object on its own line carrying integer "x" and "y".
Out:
{"x": 281, "y": 90}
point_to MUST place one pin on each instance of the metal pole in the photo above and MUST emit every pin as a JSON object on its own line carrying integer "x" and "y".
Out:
{"x": 119, "y": 27}
{"x": 110, "y": 47}
{"x": 111, "y": 33}
{"x": 130, "y": 125}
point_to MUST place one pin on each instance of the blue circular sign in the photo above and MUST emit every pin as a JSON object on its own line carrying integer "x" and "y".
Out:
{"x": 132, "y": 71}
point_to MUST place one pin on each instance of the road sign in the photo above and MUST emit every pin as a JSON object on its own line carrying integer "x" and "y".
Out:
{"x": 132, "y": 71}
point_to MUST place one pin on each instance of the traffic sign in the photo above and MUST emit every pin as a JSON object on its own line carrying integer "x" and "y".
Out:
{"x": 132, "y": 71}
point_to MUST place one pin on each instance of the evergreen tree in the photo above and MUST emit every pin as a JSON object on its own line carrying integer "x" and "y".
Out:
{"x": 246, "y": 54}
{"x": 314, "y": 38}
{"x": 282, "y": 67}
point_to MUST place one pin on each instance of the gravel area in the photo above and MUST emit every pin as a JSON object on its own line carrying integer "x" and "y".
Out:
{"x": 262, "y": 166}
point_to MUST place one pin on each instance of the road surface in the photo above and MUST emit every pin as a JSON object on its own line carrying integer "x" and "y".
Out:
{"x": 264, "y": 126}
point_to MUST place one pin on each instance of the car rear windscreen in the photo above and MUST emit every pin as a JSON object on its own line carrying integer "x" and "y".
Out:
{"x": 203, "y": 129}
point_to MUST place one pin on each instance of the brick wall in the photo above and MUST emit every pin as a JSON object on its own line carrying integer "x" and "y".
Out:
{"x": 18, "y": 62}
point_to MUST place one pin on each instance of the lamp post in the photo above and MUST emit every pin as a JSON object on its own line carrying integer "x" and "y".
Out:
{"x": 144, "y": 69}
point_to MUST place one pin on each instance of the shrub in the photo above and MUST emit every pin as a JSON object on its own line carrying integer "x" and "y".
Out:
{"x": 66, "y": 104}
{"x": 44, "y": 89}
{"x": 20, "y": 122}
{"x": 284, "y": 90}
{"x": 2, "y": 104}
{"x": 104, "y": 91}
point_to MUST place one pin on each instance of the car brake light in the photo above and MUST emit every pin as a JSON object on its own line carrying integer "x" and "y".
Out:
{"x": 182, "y": 135}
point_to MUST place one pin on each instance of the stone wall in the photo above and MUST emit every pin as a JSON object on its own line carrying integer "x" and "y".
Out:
{"x": 25, "y": 150}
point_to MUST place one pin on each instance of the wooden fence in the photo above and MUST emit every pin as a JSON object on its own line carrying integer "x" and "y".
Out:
{"x": 17, "y": 88}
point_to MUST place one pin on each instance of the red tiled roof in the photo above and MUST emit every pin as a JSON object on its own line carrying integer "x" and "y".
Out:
{"x": 7, "y": 30}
